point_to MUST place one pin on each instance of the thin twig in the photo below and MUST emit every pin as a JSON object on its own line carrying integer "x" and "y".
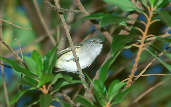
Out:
{"x": 71, "y": 44}
{"x": 147, "y": 75}
{"x": 43, "y": 22}
{"x": 62, "y": 10}
{"x": 81, "y": 7}
{"x": 4, "y": 85}
{"x": 11, "y": 50}
{"x": 66, "y": 97}
{"x": 149, "y": 90}
{"x": 149, "y": 64}
{"x": 12, "y": 24}
{"x": 2, "y": 67}
{"x": 142, "y": 44}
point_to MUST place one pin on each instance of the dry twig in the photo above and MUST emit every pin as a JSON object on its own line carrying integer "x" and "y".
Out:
{"x": 43, "y": 22}
{"x": 71, "y": 44}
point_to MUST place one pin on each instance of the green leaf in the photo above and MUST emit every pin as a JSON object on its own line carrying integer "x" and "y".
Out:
{"x": 162, "y": 62}
{"x": 166, "y": 17}
{"x": 159, "y": 2}
{"x": 125, "y": 5}
{"x": 56, "y": 78}
{"x": 15, "y": 98}
{"x": 105, "y": 69}
{"x": 50, "y": 60}
{"x": 18, "y": 67}
{"x": 119, "y": 42}
{"x": 100, "y": 92}
{"x": 38, "y": 60}
{"x": 45, "y": 100}
{"x": 114, "y": 88}
{"x": 29, "y": 81}
{"x": 109, "y": 19}
{"x": 144, "y": 2}
{"x": 31, "y": 65}
{"x": 65, "y": 104}
{"x": 168, "y": 55}
{"x": 59, "y": 85}
{"x": 163, "y": 4}
{"x": 121, "y": 96}
{"x": 45, "y": 78}
{"x": 152, "y": 2}
{"x": 62, "y": 83}
{"x": 84, "y": 101}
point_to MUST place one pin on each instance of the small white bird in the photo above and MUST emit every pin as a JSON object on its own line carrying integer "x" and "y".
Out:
{"x": 87, "y": 52}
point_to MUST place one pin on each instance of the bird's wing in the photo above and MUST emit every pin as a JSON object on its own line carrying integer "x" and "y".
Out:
{"x": 65, "y": 51}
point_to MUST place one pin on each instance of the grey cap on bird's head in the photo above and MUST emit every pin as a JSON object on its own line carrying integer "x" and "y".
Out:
{"x": 94, "y": 40}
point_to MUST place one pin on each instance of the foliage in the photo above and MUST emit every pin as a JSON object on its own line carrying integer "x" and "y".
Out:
{"x": 108, "y": 87}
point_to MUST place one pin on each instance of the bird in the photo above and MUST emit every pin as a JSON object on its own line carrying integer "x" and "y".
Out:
{"x": 86, "y": 51}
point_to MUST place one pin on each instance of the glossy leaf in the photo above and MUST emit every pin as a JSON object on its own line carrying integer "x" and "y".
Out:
{"x": 29, "y": 81}
{"x": 45, "y": 100}
{"x": 45, "y": 78}
{"x": 105, "y": 69}
{"x": 166, "y": 17}
{"x": 152, "y": 2}
{"x": 161, "y": 61}
{"x": 84, "y": 101}
{"x": 125, "y": 5}
{"x": 56, "y": 78}
{"x": 119, "y": 42}
{"x": 65, "y": 104}
{"x": 38, "y": 60}
{"x": 17, "y": 96}
{"x": 159, "y": 2}
{"x": 114, "y": 88}
{"x": 145, "y": 3}
{"x": 18, "y": 67}
{"x": 121, "y": 96}
{"x": 168, "y": 55}
{"x": 31, "y": 65}
{"x": 109, "y": 19}
{"x": 100, "y": 92}
{"x": 50, "y": 60}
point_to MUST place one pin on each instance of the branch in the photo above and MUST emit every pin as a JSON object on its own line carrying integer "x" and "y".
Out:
{"x": 71, "y": 44}
{"x": 142, "y": 44}
{"x": 12, "y": 24}
{"x": 43, "y": 22}
{"x": 2, "y": 67}
{"x": 149, "y": 90}
{"x": 81, "y": 7}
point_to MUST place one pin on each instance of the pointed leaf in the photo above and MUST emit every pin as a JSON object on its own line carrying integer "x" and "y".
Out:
{"x": 114, "y": 88}
{"x": 29, "y": 81}
{"x": 125, "y": 5}
{"x": 31, "y": 65}
{"x": 45, "y": 100}
{"x": 15, "y": 98}
{"x": 84, "y": 101}
{"x": 162, "y": 62}
{"x": 50, "y": 60}
{"x": 109, "y": 19}
{"x": 38, "y": 60}
{"x": 100, "y": 92}
{"x": 18, "y": 67}
{"x": 166, "y": 17}
{"x": 65, "y": 104}
{"x": 121, "y": 96}
{"x": 45, "y": 78}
